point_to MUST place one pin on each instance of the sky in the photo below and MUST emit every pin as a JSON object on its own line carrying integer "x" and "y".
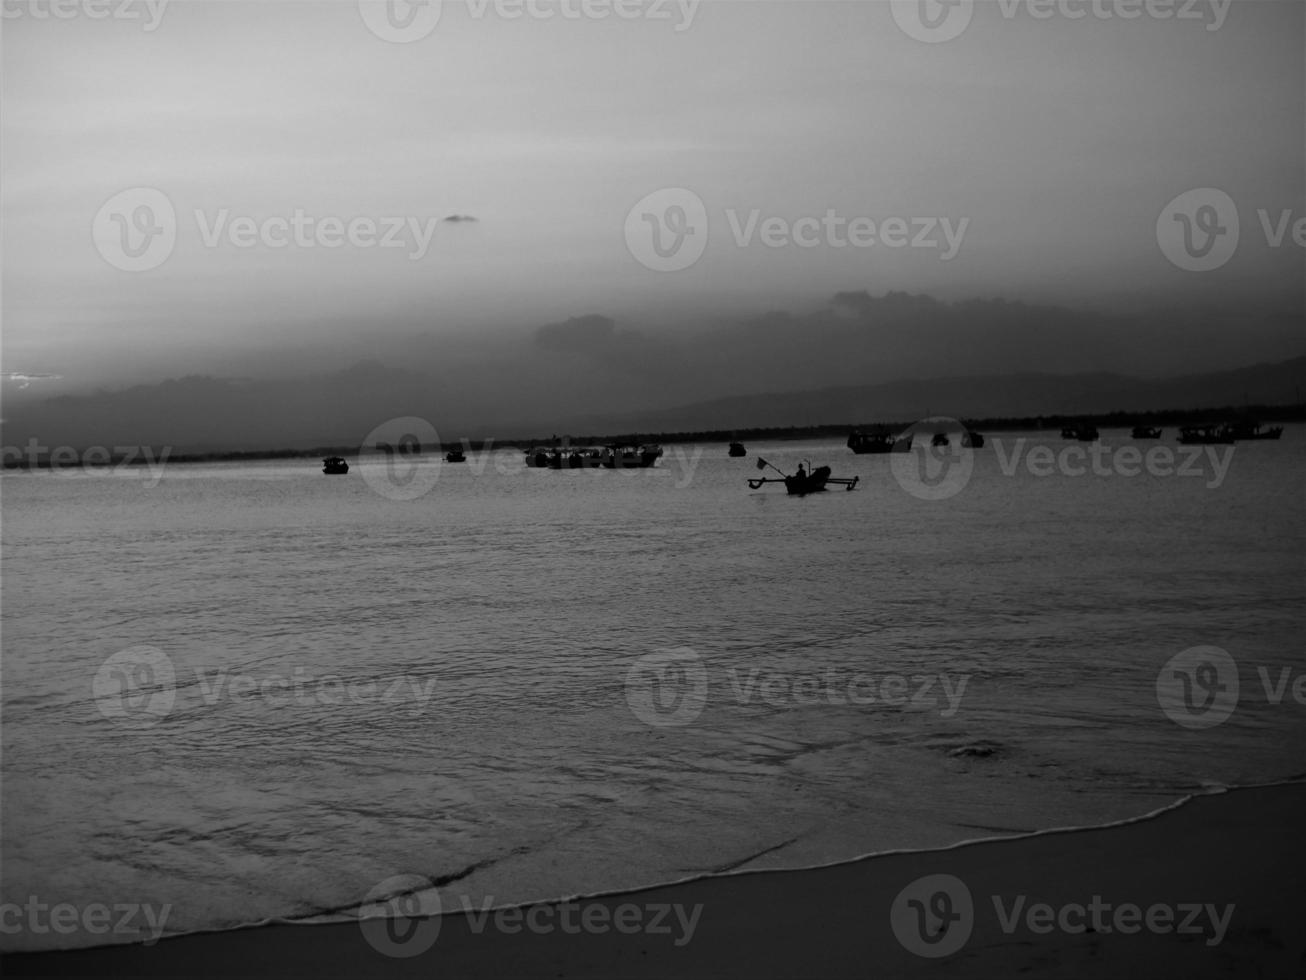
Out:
{"x": 155, "y": 160}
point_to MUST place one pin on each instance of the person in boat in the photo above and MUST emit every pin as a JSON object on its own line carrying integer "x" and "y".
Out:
{"x": 801, "y": 474}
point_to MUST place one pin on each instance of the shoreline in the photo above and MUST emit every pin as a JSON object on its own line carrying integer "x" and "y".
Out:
{"x": 1231, "y": 854}
{"x": 1113, "y": 420}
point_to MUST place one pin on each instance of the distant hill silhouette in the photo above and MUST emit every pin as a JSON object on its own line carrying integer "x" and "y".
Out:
{"x": 1017, "y": 395}
{"x": 201, "y": 414}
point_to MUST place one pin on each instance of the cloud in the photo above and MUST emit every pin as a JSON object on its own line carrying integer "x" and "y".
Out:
{"x": 25, "y": 380}
{"x": 580, "y": 334}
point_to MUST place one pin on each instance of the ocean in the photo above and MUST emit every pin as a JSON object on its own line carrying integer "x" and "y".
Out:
{"x": 254, "y": 692}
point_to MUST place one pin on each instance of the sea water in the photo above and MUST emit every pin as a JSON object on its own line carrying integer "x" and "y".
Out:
{"x": 253, "y": 691}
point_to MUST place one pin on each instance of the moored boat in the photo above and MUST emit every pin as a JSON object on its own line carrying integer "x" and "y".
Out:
{"x": 880, "y": 441}
{"x": 1206, "y": 435}
{"x": 632, "y": 457}
{"x": 455, "y": 456}
{"x": 1082, "y": 431}
{"x": 1146, "y": 432}
{"x": 566, "y": 458}
{"x": 335, "y": 466}
{"x": 1253, "y": 431}
{"x": 737, "y": 449}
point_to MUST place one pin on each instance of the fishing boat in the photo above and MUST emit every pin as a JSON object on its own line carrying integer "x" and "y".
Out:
{"x": 1083, "y": 432}
{"x": 805, "y": 481}
{"x": 566, "y": 458}
{"x": 334, "y": 466}
{"x": 940, "y": 440}
{"x": 455, "y": 456}
{"x": 972, "y": 440}
{"x": 737, "y": 449}
{"x": 1251, "y": 430}
{"x": 1146, "y": 432}
{"x": 632, "y": 457}
{"x": 875, "y": 443}
{"x": 1206, "y": 435}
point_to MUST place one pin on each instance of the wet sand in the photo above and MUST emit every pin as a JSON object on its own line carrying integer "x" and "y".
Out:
{"x": 1210, "y": 888}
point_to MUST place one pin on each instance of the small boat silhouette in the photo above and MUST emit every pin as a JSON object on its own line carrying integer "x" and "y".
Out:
{"x": 803, "y": 482}
{"x": 335, "y": 466}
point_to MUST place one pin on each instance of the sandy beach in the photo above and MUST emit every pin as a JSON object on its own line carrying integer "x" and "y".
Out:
{"x": 1208, "y": 888}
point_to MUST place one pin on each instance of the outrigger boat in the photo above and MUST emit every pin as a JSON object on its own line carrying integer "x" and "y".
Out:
{"x": 803, "y": 482}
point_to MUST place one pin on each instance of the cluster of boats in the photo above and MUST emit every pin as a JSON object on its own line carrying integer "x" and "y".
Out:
{"x": 887, "y": 441}
{"x": 1227, "y": 433}
{"x": 1207, "y": 434}
{"x": 882, "y": 440}
{"x": 593, "y": 457}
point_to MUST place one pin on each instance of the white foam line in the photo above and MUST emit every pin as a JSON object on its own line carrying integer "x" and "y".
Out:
{"x": 1219, "y": 790}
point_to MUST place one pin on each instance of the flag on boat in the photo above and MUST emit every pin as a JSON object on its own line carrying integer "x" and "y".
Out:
{"x": 761, "y": 463}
